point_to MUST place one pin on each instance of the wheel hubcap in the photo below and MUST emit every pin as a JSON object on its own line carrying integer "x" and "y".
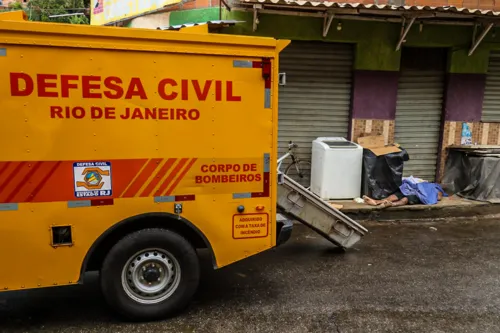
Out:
{"x": 151, "y": 276}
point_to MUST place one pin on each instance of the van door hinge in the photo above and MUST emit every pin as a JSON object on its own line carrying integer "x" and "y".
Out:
{"x": 266, "y": 69}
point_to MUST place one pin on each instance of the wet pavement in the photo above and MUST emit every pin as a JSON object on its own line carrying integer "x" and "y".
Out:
{"x": 432, "y": 277}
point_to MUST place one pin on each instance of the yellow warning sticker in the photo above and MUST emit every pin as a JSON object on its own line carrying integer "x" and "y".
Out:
{"x": 255, "y": 225}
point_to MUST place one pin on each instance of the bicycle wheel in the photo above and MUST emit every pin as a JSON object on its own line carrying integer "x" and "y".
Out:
{"x": 300, "y": 171}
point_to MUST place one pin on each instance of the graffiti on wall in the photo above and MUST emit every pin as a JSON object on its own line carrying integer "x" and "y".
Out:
{"x": 110, "y": 11}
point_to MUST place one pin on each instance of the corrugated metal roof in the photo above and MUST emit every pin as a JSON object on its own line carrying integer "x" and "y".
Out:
{"x": 210, "y": 23}
{"x": 329, "y": 4}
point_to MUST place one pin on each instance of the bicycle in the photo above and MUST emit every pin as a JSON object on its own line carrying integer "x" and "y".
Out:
{"x": 298, "y": 170}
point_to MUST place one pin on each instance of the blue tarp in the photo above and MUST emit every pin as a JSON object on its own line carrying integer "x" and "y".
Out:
{"x": 426, "y": 192}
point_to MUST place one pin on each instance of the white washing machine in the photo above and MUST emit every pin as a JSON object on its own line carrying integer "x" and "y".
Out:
{"x": 336, "y": 168}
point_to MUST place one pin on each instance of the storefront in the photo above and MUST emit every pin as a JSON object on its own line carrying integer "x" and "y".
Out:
{"x": 412, "y": 74}
{"x": 491, "y": 102}
{"x": 315, "y": 97}
{"x": 419, "y": 108}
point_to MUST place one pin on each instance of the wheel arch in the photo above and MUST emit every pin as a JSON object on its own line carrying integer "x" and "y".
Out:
{"x": 97, "y": 252}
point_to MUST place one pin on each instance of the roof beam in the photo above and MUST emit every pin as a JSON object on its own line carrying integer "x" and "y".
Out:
{"x": 225, "y": 5}
{"x": 289, "y": 13}
{"x": 321, "y": 14}
{"x": 420, "y": 14}
{"x": 327, "y": 22}
{"x": 404, "y": 33}
{"x": 474, "y": 32}
{"x": 223, "y": 2}
{"x": 388, "y": 12}
{"x": 256, "y": 16}
{"x": 307, "y": 8}
{"x": 476, "y": 42}
{"x": 372, "y": 11}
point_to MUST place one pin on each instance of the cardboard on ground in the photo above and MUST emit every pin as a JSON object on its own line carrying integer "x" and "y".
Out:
{"x": 337, "y": 206}
{"x": 376, "y": 144}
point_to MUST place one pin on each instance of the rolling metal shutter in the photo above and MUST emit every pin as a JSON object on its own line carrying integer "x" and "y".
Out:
{"x": 315, "y": 101}
{"x": 491, "y": 102}
{"x": 418, "y": 120}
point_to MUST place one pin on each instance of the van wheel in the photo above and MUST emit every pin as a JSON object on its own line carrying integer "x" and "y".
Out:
{"x": 150, "y": 274}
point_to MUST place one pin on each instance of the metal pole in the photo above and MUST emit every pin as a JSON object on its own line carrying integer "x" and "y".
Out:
{"x": 63, "y": 15}
{"x": 327, "y": 23}
{"x": 405, "y": 32}
{"x": 480, "y": 39}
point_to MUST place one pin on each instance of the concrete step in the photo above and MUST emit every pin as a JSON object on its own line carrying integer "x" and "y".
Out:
{"x": 453, "y": 206}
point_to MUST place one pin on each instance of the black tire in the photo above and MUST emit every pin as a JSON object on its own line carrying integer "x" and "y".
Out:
{"x": 120, "y": 256}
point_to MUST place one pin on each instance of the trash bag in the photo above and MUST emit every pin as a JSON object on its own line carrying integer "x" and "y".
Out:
{"x": 382, "y": 175}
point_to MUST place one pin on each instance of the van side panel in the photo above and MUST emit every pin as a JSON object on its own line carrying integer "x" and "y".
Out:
{"x": 93, "y": 136}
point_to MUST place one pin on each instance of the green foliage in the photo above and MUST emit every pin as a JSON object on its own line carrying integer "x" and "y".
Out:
{"x": 41, "y": 10}
{"x": 82, "y": 19}
{"x": 12, "y": 6}
{"x": 15, "y": 6}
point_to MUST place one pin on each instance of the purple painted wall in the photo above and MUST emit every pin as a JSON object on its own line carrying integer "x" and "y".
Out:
{"x": 374, "y": 94}
{"x": 464, "y": 97}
